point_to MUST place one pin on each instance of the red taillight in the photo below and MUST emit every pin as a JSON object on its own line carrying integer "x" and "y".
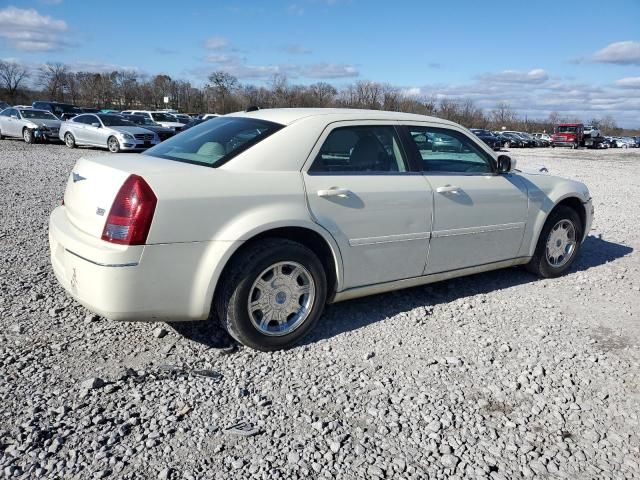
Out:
{"x": 131, "y": 214}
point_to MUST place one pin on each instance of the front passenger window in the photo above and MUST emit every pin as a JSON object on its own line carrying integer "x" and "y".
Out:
{"x": 444, "y": 150}
{"x": 373, "y": 149}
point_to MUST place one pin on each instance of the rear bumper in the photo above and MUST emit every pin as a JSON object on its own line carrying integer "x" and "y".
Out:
{"x": 164, "y": 282}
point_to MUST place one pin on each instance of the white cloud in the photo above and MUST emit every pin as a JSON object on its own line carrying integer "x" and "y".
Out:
{"x": 621, "y": 53}
{"x": 239, "y": 67}
{"x": 535, "y": 76}
{"x": 99, "y": 67}
{"x": 328, "y": 70}
{"x": 27, "y": 30}
{"x": 629, "y": 82}
{"x": 216, "y": 43}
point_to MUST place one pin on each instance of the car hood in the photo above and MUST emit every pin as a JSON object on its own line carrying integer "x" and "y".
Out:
{"x": 131, "y": 130}
{"x": 42, "y": 123}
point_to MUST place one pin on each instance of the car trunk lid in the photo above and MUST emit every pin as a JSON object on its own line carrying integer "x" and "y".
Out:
{"x": 94, "y": 183}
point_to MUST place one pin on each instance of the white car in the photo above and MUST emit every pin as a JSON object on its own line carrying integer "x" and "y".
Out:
{"x": 165, "y": 119}
{"x": 105, "y": 130}
{"x": 29, "y": 124}
{"x": 261, "y": 218}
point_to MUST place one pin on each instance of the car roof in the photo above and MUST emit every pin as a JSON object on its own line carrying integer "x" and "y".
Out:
{"x": 286, "y": 116}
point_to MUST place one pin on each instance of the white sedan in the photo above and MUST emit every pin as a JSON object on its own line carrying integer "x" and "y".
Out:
{"x": 261, "y": 218}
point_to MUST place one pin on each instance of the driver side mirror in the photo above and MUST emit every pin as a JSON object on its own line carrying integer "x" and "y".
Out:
{"x": 95, "y": 124}
{"x": 505, "y": 164}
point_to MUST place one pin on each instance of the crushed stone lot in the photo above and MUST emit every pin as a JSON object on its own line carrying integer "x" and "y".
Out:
{"x": 495, "y": 376}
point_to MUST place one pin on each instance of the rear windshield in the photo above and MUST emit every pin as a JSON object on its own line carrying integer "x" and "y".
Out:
{"x": 215, "y": 141}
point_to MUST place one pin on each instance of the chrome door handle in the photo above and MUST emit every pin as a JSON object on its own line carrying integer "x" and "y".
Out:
{"x": 333, "y": 192}
{"x": 448, "y": 189}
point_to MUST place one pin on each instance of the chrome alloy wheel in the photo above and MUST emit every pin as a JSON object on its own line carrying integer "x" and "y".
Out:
{"x": 561, "y": 243}
{"x": 281, "y": 298}
{"x": 113, "y": 145}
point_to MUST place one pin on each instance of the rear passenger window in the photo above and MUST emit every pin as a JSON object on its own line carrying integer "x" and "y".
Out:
{"x": 374, "y": 149}
{"x": 444, "y": 150}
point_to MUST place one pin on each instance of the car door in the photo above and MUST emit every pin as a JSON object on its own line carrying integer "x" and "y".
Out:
{"x": 77, "y": 128}
{"x": 7, "y": 122}
{"x": 94, "y": 131}
{"x": 361, "y": 188}
{"x": 479, "y": 215}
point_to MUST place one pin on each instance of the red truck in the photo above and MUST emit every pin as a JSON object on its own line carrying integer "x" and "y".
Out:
{"x": 576, "y": 135}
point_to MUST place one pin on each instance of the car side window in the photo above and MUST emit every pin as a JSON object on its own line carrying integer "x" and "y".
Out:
{"x": 84, "y": 119}
{"x": 445, "y": 150}
{"x": 360, "y": 149}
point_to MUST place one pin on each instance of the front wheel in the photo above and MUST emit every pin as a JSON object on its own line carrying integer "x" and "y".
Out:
{"x": 69, "y": 140}
{"x": 272, "y": 295}
{"x": 558, "y": 244}
{"x": 113, "y": 144}
{"x": 27, "y": 135}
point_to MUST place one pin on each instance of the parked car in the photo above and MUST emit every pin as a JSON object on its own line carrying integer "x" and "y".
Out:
{"x": 29, "y": 124}
{"x": 263, "y": 217}
{"x": 524, "y": 138}
{"x": 90, "y": 110}
{"x": 57, "y": 108}
{"x": 543, "y": 136}
{"x": 626, "y": 142}
{"x": 106, "y": 131}
{"x": 183, "y": 118}
{"x": 163, "y": 118}
{"x": 194, "y": 122}
{"x": 511, "y": 140}
{"x": 148, "y": 124}
{"x": 487, "y": 137}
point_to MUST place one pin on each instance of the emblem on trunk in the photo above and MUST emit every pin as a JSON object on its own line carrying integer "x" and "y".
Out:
{"x": 77, "y": 177}
{"x": 99, "y": 211}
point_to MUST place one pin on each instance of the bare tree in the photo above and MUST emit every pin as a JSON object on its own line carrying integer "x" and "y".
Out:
{"x": 223, "y": 85}
{"x": 52, "y": 77}
{"x": 12, "y": 75}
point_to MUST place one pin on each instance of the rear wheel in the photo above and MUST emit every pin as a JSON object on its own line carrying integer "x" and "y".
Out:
{"x": 69, "y": 140}
{"x": 558, "y": 244}
{"x": 113, "y": 144}
{"x": 27, "y": 135}
{"x": 272, "y": 295}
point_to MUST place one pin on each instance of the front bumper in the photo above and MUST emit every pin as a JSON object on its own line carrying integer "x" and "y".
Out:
{"x": 46, "y": 135}
{"x": 136, "y": 144}
{"x": 163, "y": 282}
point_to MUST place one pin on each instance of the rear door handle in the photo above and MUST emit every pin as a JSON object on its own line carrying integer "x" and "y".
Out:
{"x": 448, "y": 189}
{"x": 333, "y": 192}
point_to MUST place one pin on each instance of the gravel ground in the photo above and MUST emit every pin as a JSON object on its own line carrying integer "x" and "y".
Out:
{"x": 499, "y": 375}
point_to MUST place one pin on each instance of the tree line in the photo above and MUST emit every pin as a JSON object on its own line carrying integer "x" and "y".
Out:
{"x": 224, "y": 93}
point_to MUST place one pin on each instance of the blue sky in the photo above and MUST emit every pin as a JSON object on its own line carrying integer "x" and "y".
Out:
{"x": 575, "y": 57}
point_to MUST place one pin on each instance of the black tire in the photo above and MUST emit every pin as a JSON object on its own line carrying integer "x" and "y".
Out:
{"x": 69, "y": 140}
{"x": 1, "y": 136}
{"x": 113, "y": 145}
{"x": 539, "y": 263}
{"x": 27, "y": 136}
{"x": 231, "y": 302}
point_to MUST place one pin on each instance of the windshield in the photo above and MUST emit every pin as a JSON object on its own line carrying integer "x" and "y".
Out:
{"x": 37, "y": 114}
{"x": 214, "y": 142}
{"x": 163, "y": 117}
{"x": 115, "y": 121}
{"x": 566, "y": 129}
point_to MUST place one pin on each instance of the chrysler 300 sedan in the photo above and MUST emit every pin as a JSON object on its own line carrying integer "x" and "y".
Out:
{"x": 106, "y": 131}
{"x": 261, "y": 218}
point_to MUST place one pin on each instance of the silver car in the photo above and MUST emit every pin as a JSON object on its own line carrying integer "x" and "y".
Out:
{"x": 29, "y": 124}
{"x": 106, "y": 131}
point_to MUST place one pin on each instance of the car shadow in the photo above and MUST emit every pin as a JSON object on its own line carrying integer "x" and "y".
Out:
{"x": 354, "y": 314}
